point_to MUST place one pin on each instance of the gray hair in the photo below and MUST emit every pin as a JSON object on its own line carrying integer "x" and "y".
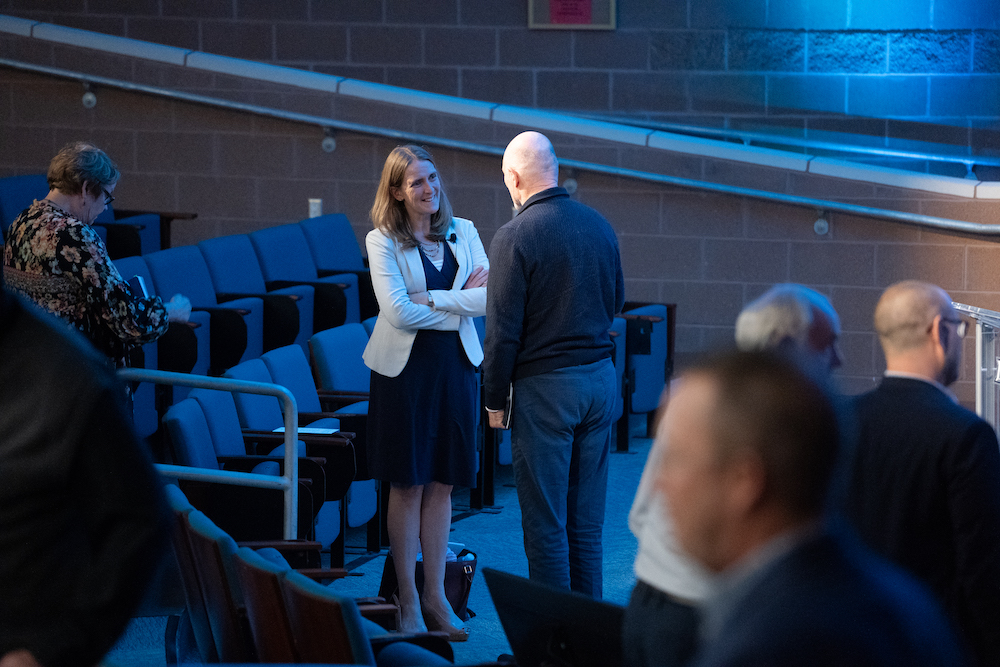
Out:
{"x": 782, "y": 315}
{"x": 78, "y": 163}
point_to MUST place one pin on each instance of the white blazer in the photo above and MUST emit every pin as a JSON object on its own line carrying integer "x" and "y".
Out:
{"x": 398, "y": 272}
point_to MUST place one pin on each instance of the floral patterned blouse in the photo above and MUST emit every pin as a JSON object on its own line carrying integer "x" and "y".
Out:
{"x": 60, "y": 263}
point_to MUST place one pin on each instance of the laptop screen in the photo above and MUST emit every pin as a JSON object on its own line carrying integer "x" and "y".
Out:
{"x": 548, "y": 627}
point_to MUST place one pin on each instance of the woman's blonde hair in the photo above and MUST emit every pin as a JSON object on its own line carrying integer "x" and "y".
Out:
{"x": 388, "y": 214}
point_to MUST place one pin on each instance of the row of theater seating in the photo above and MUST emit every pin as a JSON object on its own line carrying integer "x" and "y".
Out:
{"x": 246, "y": 604}
{"x": 261, "y": 291}
{"x": 283, "y": 263}
{"x": 251, "y": 293}
{"x": 215, "y": 429}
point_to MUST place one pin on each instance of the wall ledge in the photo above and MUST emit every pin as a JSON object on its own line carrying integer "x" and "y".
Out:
{"x": 511, "y": 115}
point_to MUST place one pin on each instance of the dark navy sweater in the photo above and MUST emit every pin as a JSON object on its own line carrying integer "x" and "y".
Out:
{"x": 555, "y": 285}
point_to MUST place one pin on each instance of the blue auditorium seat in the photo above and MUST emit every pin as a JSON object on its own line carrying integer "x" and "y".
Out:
{"x": 289, "y": 367}
{"x": 237, "y": 325}
{"x": 245, "y": 513}
{"x": 232, "y": 263}
{"x": 334, "y": 247}
{"x": 260, "y": 415}
{"x": 185, "y": 348}
{"x": 285, "y": 260}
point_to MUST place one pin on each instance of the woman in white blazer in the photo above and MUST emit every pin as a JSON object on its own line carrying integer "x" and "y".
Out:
{"x": 429, "y": 272}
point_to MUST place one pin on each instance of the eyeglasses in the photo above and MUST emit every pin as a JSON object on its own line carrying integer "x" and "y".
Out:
{"x": 962, "y": 325}
{"x": 107, "y": 197}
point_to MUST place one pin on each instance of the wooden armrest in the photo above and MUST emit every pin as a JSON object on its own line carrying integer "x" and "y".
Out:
{"x": 647, "y": 318}
{"x": 338, "y": 438}
{"x": 298, "y": 553}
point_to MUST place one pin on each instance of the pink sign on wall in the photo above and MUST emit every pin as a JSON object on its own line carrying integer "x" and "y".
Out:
{"x": 572, "y": 12}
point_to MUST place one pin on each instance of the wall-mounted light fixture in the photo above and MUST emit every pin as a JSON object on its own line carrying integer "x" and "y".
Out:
{"x": 569, "y": 183}
{"x": 89, "y": 99}
{"x": 329, "y": 142}
{"x": 821, "y": 226}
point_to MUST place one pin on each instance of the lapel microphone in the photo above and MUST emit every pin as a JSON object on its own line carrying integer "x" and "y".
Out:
{"x": 452, "y": 238}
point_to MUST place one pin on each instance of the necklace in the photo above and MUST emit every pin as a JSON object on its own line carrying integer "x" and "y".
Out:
{"x": 431, "y": 249}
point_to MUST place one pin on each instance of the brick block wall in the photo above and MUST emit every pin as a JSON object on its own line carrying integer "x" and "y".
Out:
{"x": 710, "y": 254}
{"x": 749, "y": 64}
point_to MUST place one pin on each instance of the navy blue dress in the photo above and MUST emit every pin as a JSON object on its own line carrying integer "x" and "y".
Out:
{"x": 422, "y": 423}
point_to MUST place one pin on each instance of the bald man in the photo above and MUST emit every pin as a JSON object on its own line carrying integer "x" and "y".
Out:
{"x": 555, "y": 285}
{"x": 925, "y": 482}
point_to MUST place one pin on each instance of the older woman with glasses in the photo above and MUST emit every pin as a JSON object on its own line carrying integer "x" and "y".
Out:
{"x": 53, "y": 257}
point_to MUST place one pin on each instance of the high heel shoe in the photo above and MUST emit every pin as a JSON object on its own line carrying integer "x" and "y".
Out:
{"x": 454, "y": 634}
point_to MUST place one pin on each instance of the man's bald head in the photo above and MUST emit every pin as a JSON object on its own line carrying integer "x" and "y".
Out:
{"x": 529, "y": 166}
{"x": 905, "y": 312}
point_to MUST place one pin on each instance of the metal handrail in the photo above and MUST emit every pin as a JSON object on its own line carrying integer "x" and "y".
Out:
{"x": 747, "y": 138}
{"x": 288, "y": 482}
{"x": 820, "y": 205}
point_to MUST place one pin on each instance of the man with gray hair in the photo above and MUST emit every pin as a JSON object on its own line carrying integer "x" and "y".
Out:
{"x": 660, "y": 623}
{"x": 924, "y": 484}
{"x": 792, "y": 316}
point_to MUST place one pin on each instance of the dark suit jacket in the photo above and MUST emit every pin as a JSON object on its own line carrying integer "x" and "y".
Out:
{"x": 925, "y": 492}
{"x": 830, "y": 603}
{"x": 83, "y": 520}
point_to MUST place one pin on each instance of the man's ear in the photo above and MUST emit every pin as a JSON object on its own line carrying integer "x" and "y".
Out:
{"x": 746, "y": 482}
{"x": 515, "y": 178}
{"x": 940, "y": 338}
{"x": 939, "y": 332}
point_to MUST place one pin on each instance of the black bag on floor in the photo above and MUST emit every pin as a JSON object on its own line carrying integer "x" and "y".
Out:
{"x": 458, "y": 576}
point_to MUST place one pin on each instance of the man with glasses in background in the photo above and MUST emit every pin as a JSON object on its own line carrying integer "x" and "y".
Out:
{"x": 924, "y": 481}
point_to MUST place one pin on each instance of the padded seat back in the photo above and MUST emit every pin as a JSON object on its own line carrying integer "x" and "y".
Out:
{"x": 146, "y": 418}
{"x": 188, "y": 429}
{"x": 223, "y": 422}
{"x": 182, "y": 270}
{"x": 332, "y": 242}
{"x": 132, "y": 235}
{"x": 284, "y": 253}
{"x": 232, "y": 264}
{"x": 256, "y": 412}
{"x": 289, "y": 367}
{"x": 337, "y": 354}
{"x": 17, "y": 193}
